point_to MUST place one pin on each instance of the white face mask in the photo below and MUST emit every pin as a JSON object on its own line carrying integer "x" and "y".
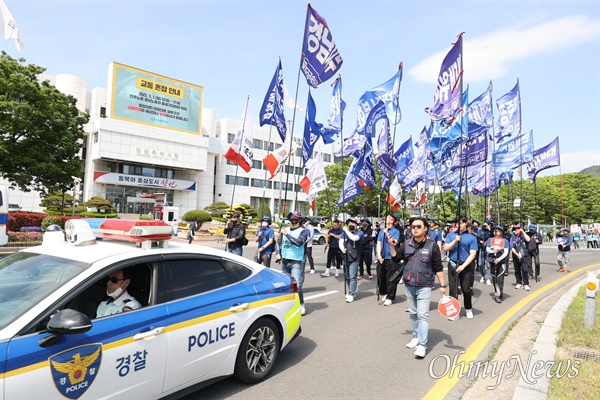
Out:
{"x": 264, "y": 224}
{"x": 116, "y": 293}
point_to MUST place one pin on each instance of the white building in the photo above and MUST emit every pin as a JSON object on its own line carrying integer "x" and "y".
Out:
{"x": 127, "y": 160}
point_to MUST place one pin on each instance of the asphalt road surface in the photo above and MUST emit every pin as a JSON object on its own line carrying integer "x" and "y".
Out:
{"x": 357, "y": 350}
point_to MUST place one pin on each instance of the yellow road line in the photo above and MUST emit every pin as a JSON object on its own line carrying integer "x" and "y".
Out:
{"x": 443, "y": 386}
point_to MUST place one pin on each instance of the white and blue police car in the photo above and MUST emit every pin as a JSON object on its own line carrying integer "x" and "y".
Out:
{"x": 203, "y": 314}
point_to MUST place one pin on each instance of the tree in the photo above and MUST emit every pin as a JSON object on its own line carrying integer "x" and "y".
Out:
{"x": 217, "y": 209}
{"x": 41, "y": 130}
{"x": 197, "y": 216}
{"x": 100, "y": 203}
{"x": 252, "y": 212}
{"x": 264, "y": 210}
{"x": 53, "y": 201}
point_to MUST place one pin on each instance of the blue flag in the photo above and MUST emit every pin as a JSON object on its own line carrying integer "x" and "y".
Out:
{"x": 514, "y": 153}
{"x": 485, "y": 185}
{"x": 385, "y": 160}
{"x": 351, "y": 188}
{"x": 388, "y": 93}
{"x": 364, "y": 167}
{"x": 271, "y": 112}
{"x": 320, "y": 58}
{"x": 331, "y": 132}
{"x": 544, "y": 158}
{"x": 448, "y": 100}
{"x": 312, "y": 130}
{"x": 351, "y": 146}
{"x": 404, "y": 155}
{"x": 377, "y": 113}
{"x": 474, "y": 152}
{"x": 416, "y": 170}
{"x": 509, "y": 108}
{"x": 480, "y": 113}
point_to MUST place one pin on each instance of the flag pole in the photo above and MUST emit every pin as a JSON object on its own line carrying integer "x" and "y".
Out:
{"x": 520, "y": 151}
{"x": 462, "y": 131}
{"x": 239, "y": 157}
{"x": 495, "y": 178}
{"x": 342, "y": 162}
{"x": 396, "y": 122}
{"x": 268, "y": 153}
{"x": 534, "y": 182}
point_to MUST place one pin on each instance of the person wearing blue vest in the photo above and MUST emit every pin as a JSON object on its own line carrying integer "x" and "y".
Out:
{"x": 423, "y": 259}
{"x": 265, "y": 237}
{"x": 386, "y": 289}
{"x": 462, "y": 249}
{"x": 291, "y": 251}
{"x": 564, "y": 241}
{"x": 351, "y": 246}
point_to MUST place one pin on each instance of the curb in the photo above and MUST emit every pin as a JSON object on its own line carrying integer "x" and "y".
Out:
{"x": 544, "y": 349}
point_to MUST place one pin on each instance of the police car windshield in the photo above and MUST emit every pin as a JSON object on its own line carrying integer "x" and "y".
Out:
{"x": 26, "y": 279}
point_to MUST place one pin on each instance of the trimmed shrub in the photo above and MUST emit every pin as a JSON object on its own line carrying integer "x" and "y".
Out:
{"x": 197, "y": 216}
{"x": 51, "y": 221}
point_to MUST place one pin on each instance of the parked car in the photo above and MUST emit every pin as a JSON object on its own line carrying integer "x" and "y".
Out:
{"x": 203, "y": 314}
{"x": 319, "y": 237}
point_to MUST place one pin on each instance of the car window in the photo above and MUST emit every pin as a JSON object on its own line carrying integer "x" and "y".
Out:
{"x": 235, "y": 271}
{"x": 26, "y": 279}
{"x": 189, "y": 277}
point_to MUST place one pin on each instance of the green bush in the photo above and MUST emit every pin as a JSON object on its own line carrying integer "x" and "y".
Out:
{"x": 250, "y": 211}
{"x": 50, "y": 220}
{"x": 264, "y": 210}
{"x": 146, "y": 218}
{"x": 197, "y": 216}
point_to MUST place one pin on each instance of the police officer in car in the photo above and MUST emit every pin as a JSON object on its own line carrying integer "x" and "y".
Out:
{"x": 119, "y": 300}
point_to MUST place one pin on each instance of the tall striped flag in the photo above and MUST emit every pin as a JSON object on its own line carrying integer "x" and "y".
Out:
{"x": 240, "y": 152}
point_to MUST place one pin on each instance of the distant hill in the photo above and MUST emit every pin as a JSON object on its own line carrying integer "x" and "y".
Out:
{"x": 593, "y": 170}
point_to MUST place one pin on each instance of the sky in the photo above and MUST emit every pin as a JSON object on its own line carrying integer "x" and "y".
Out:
{"x": 231, "y": 48}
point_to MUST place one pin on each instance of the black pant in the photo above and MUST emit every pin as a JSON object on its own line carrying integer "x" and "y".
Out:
{"x": 464, "y": 277}
{"x": 534, "y": 259}
{"x": 309, "y": 257}
{"x": 386, "y": 288}
{"x": 367, "y": 259}
{"x": 521, "y": 270}
{"x": 334, "y": 252}
{"x": 498, "y": 275}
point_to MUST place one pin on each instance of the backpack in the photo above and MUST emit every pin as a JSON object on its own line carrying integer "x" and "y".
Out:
{"x": 244, "y": 241}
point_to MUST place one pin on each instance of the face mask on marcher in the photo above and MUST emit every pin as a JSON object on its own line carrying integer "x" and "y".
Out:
{"x": 264, "y": 224}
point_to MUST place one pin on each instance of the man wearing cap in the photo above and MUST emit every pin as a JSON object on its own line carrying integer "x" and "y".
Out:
{"x": 265, "y": 237}
{"x": 564, "y": 241}
{"x": 366, "y": 255}
{"x": 386, "y": 289}
{"x": 497, "y": 250}
{"x": 351, "y": 247}
{"x": 235, "y": 233}
{"x": 332, "y": 244}
{"x": 520, "y": 257}
{"x": 534, "y": 252}
{"x": 291, "y": 251}
{"x": 434, "y": 232}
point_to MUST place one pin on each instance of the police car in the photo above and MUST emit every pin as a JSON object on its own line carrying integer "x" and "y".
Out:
{"x": 203, "y": 314}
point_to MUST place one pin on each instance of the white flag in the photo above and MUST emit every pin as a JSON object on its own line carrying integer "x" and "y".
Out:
{"x": 9, "y": 28}
{"x": 315, "y": 180}
{"x": 288, "y": 100}
{"x": 241, "y": 151}
{"x": 275, "y": 161}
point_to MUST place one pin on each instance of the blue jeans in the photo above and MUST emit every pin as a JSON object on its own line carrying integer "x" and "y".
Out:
{"x": 481, "y": 263}
{"x": 236, "y": 250}
{"x": 351, "y": 277}
{"x": 417, "y": 300}
{"x": 295, "y": 268}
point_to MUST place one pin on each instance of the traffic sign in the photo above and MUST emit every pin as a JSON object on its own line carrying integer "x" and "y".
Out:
{"x": 449, "y": 307}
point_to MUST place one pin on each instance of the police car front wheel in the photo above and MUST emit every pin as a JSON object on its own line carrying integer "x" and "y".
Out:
{"x": 258, "y": 351}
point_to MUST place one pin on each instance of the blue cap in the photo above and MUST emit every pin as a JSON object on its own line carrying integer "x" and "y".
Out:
{"x": 489, "y": 221}
{"x": 367, "y": 220}
{"x": 532, "y": 227}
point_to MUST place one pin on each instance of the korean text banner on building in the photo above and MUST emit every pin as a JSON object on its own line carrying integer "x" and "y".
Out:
{"x": 150, "y": 99}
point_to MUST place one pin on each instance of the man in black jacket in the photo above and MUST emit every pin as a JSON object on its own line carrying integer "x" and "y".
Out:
{"x": 235, "y": 233}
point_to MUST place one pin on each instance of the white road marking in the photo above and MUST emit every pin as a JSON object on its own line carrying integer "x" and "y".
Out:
{"x": 316, "y": 296}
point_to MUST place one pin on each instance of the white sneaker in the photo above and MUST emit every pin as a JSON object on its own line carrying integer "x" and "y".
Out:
{"x": 326, "y": 273}
{"x": 401, "y": 281}
{"x": 312, "y": 271}
{"x": 420, "y": 351}
{"x": 482, "y": 279}
{"x": 413, "y": 343}
{"x": 469, "y": 314}
{"x": 526, "y": 287}
{"x": 337, "y": 273}
{"x": 332, "y": 267}
{"x": 383, "y": 298}
{"x": 387, "y": 302}
{"x": 488, "y": 282}
{"x": 518, "y": 286}
{"x": 303, "y": 309}
{"x": 350, "y": 298}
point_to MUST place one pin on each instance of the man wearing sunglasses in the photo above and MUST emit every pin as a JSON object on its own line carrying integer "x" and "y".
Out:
{"x": 235, "y": 232}
{"x": 119, "y": 300}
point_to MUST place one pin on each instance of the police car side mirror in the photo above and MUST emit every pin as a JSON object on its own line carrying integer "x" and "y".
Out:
{"x": 65, "y": 321}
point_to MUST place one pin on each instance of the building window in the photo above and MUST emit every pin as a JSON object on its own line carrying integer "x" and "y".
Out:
{"x": 241, "y": 181}
{"x": 147, "y": 171}
{"x": 230, "y": 137}
{"x": 257, "y": 164}
{"x": 277, "y": 145}
{"x": 257, "y": 143}
{"x": 327, "y": 157}
{"x": 261, "y": 183}
{"x": 268, "y": 146}
{"x": 95, "y": 137}
{"x": 298, "y": 152}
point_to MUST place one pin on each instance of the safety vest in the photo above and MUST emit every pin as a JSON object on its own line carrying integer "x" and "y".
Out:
{"x": 290, "y": 251}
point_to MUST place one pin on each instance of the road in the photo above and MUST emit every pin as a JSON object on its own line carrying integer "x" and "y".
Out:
{"x": 357, "y": 350}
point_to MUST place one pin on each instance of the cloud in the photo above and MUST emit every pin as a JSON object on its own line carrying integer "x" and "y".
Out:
{"x": 490, "y": 55}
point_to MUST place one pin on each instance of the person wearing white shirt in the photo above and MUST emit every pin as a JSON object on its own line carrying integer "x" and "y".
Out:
{"x": 119, "y": 300}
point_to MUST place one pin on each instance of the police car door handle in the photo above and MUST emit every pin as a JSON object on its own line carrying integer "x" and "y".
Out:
{"x": 238, "y": 307}
{"x": 149, "y": 334}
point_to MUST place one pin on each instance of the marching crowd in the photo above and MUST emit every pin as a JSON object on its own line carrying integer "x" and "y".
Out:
{"x": 410, "y": 254}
